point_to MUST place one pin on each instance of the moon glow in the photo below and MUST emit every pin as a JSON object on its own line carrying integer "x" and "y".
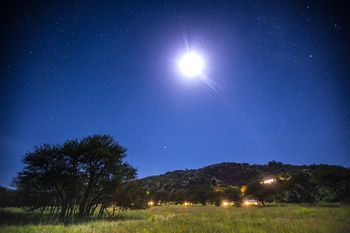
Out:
{"x": 191, "y": 65}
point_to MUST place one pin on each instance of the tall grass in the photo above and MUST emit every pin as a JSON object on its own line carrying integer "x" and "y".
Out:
{"x": 289, "y": 218}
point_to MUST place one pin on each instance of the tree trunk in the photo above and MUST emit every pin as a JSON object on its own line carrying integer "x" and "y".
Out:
{"x": 101, "y": 211}
{"x": 93, "y": 209}
{"x": 82, "y": 206}
{"x": 63, "y": 211}
{"x": 107, "y": 212}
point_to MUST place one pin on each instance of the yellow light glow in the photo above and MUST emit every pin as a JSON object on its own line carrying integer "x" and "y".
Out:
{"x": 187, "y": 203}
{"x": 250, "y": 203}
{"x": 227, "y": 203}
{"x": 150, "y": 203}
{"x": 243, "y": 189}
{"x": 269, "y": 181}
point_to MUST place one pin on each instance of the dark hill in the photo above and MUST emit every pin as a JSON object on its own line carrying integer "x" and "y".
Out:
{"x": 219, "y": 175}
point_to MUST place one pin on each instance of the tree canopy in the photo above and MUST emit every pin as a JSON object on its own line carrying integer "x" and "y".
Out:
{"x": 76, "y": 174}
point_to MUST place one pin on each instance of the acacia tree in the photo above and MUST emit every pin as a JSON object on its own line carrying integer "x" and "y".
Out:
{"x": 161, "y": 196}
{"x": 233, "y": 193}
{"x": 200, "y": 193}
{"x": 102, "y": 169}
{"x": 81, "y": 173}
{"x": 179, "y": 196}
{"x": 261, "y": 191}
{"x": 129, "y": 195}
{"x": 335, "y": 178}
{"x": 300, "y": 188}
{"x": 40, "y": 177}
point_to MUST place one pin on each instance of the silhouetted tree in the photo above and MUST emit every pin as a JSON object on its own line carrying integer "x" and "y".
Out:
{"x": 8, "y": 197}
{"x": 200, "y": 193}
{"x": 179, "y": 196}
{"x": 261, "y": 191}
{"x": 102, "y": 169}
{"x": 77, "y": 173}
{"x": 161, "y": 196}
{"x": 336, "y": 180}
{"x": 233, "y": 193}
{"x": 300, "y": 188}
{"x": 217, "y": 196}
{"x": 129, "y": 195}
{"x": 41, "y": 178}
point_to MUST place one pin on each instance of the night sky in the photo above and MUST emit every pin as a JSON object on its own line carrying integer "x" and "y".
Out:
{"x": 278, "y": 70}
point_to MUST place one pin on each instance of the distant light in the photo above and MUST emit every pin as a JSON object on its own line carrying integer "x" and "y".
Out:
{"x": 150, "y": 203}
{"x": 243, "y": 189}
{"x": 227, "y": 203}
{"x": 191, "y": 65}
{"x": 250, "y": 202}
{"x": 269, "y": 181}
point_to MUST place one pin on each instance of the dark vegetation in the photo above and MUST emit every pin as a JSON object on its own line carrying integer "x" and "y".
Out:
{"x": 88, "y": 177}
{"x": 76, "y": 178}
{"x": 237, "y": 181}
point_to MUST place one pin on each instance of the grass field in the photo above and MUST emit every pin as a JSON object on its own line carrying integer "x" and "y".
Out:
{"x": 290, "y": 218}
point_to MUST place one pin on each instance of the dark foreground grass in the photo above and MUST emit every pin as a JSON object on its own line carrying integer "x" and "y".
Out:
{"x": 290, "y": 218}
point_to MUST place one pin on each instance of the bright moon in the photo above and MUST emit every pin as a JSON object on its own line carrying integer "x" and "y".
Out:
{"x": 191, "y": 65}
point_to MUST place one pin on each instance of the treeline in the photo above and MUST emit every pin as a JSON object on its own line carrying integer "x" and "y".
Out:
{"x": 198, "y": 194}
{"x": 328, "y": 184}
{"x": 77, "y": 177}
{"x": 238, "y": 182}
{"x": 325, "y": 183}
